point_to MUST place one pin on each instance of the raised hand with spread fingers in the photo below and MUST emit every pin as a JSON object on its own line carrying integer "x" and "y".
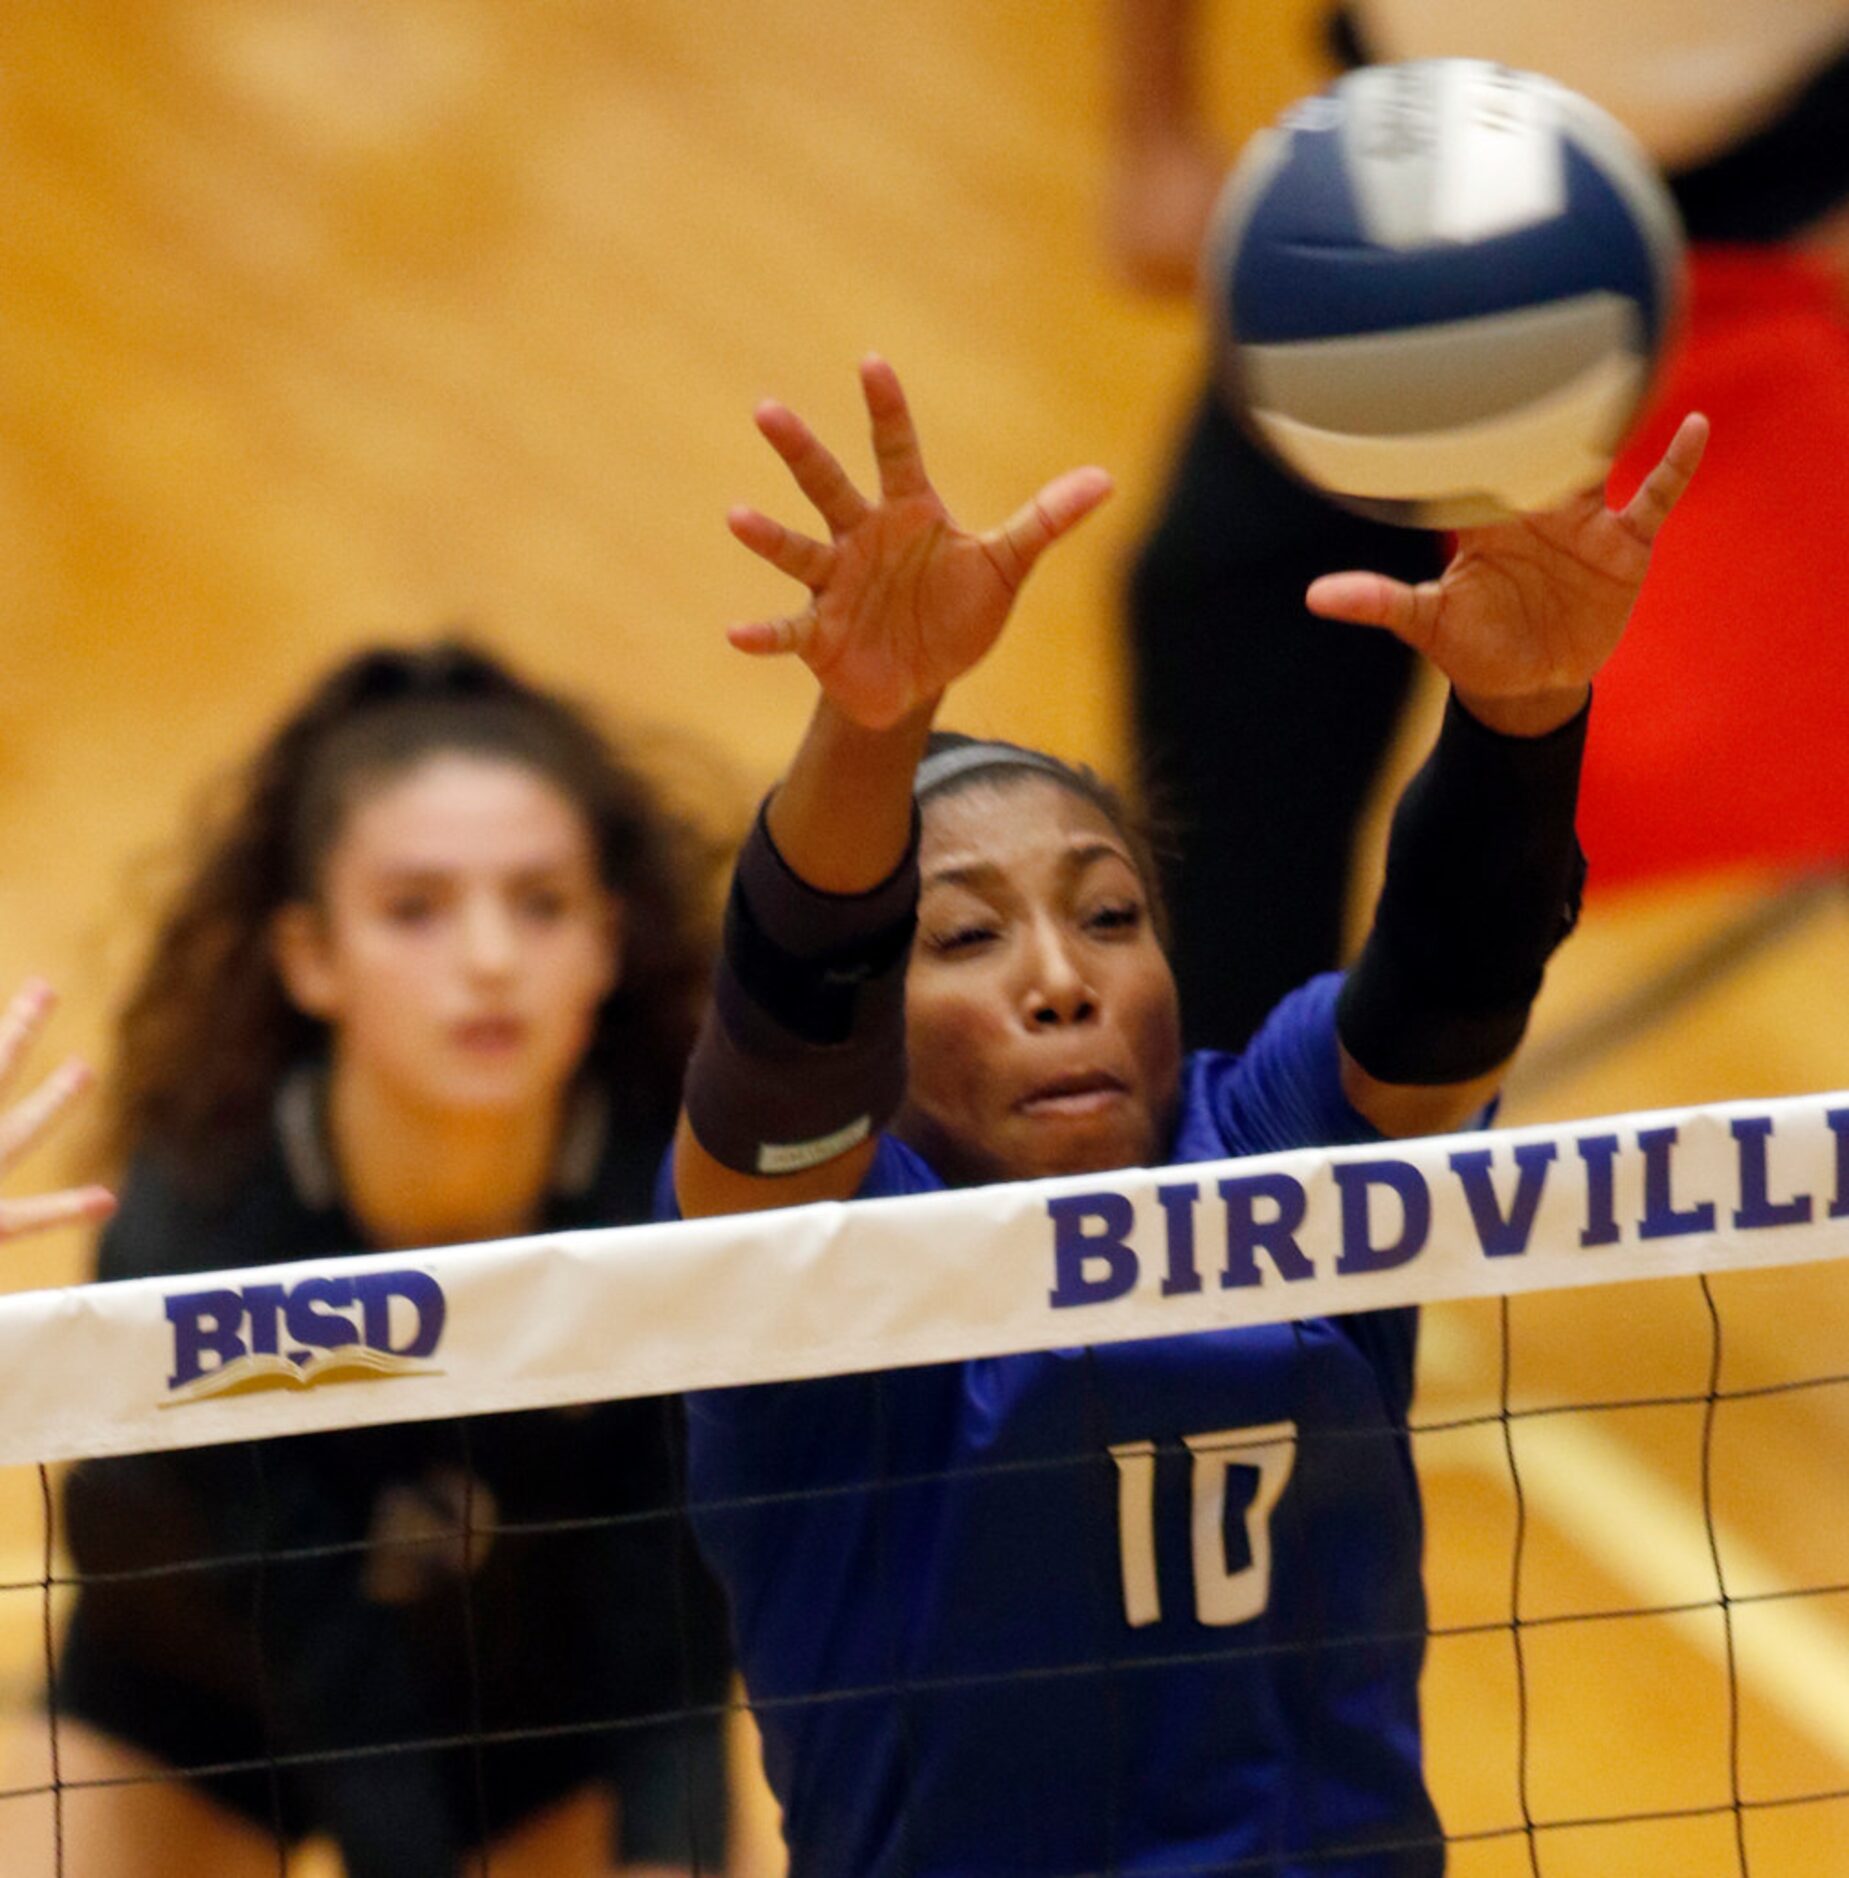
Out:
{"x": 25, "y": 1122}
{"x": 902, "y": 600}
{"x": 1527, "y": 610}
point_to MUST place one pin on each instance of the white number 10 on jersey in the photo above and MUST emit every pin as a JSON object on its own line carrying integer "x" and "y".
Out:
{"x": 1220, "y": 1596}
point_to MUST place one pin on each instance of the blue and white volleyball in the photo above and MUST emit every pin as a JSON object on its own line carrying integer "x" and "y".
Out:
{"x": 1443, "y": 289}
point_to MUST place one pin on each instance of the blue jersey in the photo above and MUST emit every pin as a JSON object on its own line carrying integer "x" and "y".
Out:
{"x": 1151, "y": 1607}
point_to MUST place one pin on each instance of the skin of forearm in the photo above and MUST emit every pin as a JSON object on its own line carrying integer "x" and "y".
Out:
{"x": 842, "y": 816}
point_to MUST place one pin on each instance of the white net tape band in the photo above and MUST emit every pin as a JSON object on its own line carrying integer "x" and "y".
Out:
{"x": 823, "y": 1290}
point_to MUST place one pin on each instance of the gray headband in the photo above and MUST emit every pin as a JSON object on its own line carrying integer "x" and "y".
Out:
{"x": 944, "y": 767}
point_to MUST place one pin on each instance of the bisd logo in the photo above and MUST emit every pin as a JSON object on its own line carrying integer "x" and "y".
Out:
{"x": 363, "y": 1328}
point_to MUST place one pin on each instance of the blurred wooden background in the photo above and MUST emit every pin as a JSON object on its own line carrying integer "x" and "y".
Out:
{"x": 328, "y": 321}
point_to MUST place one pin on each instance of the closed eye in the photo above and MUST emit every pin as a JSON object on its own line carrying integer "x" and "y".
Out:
{"x": 1121, "y": 917}
{"x": 967, "y": 937}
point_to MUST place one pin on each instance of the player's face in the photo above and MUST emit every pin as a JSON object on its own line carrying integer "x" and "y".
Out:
{"x": 463, "y": 940}
{"x": 1041, "y": 1020}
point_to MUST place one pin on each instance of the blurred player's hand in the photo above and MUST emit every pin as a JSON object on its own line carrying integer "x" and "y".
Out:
{"x": 1161, "y": 201}
{"x": 26, "y": 1121}
{"x": 1528, "y": 610}
{"x": 902, "y": 600}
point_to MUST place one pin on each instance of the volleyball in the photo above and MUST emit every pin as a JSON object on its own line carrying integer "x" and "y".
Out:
{"x": 1442, "y": 289}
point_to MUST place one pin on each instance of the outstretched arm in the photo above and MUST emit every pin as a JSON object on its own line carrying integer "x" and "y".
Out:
{"x": 1483, "y": 868}
{"x": 27, "y": 1121}
{"x": 902, "y": 602}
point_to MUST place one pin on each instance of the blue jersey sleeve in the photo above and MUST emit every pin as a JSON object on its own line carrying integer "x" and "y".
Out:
{"x": 1285, "y": 1091}
{"x": 896, "y": 1171}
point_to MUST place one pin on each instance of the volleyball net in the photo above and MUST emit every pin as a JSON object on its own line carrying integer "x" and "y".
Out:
{"x": 1631, "y": 1430}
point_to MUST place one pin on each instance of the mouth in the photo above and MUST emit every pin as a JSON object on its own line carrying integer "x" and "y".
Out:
{"x": 1085, "y": 1092}
{"x": 489, "y": 1036}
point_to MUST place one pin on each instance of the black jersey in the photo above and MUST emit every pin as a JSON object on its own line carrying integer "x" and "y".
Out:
{"x": 239, "y": 1606}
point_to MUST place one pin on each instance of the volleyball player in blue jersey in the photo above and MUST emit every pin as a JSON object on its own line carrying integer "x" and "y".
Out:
{"x": 1154, "y": 1607}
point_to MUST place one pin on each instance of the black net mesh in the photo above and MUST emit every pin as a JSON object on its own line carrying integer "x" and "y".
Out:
{"x": 394, "y": 1650}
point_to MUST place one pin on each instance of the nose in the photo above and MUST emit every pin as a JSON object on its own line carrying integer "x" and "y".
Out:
{"x": 488, "y": 946}
{"x": 1056, "y": 988}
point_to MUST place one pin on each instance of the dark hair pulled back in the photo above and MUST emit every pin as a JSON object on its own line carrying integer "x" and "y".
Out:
{"x": 208, "y": 1031}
